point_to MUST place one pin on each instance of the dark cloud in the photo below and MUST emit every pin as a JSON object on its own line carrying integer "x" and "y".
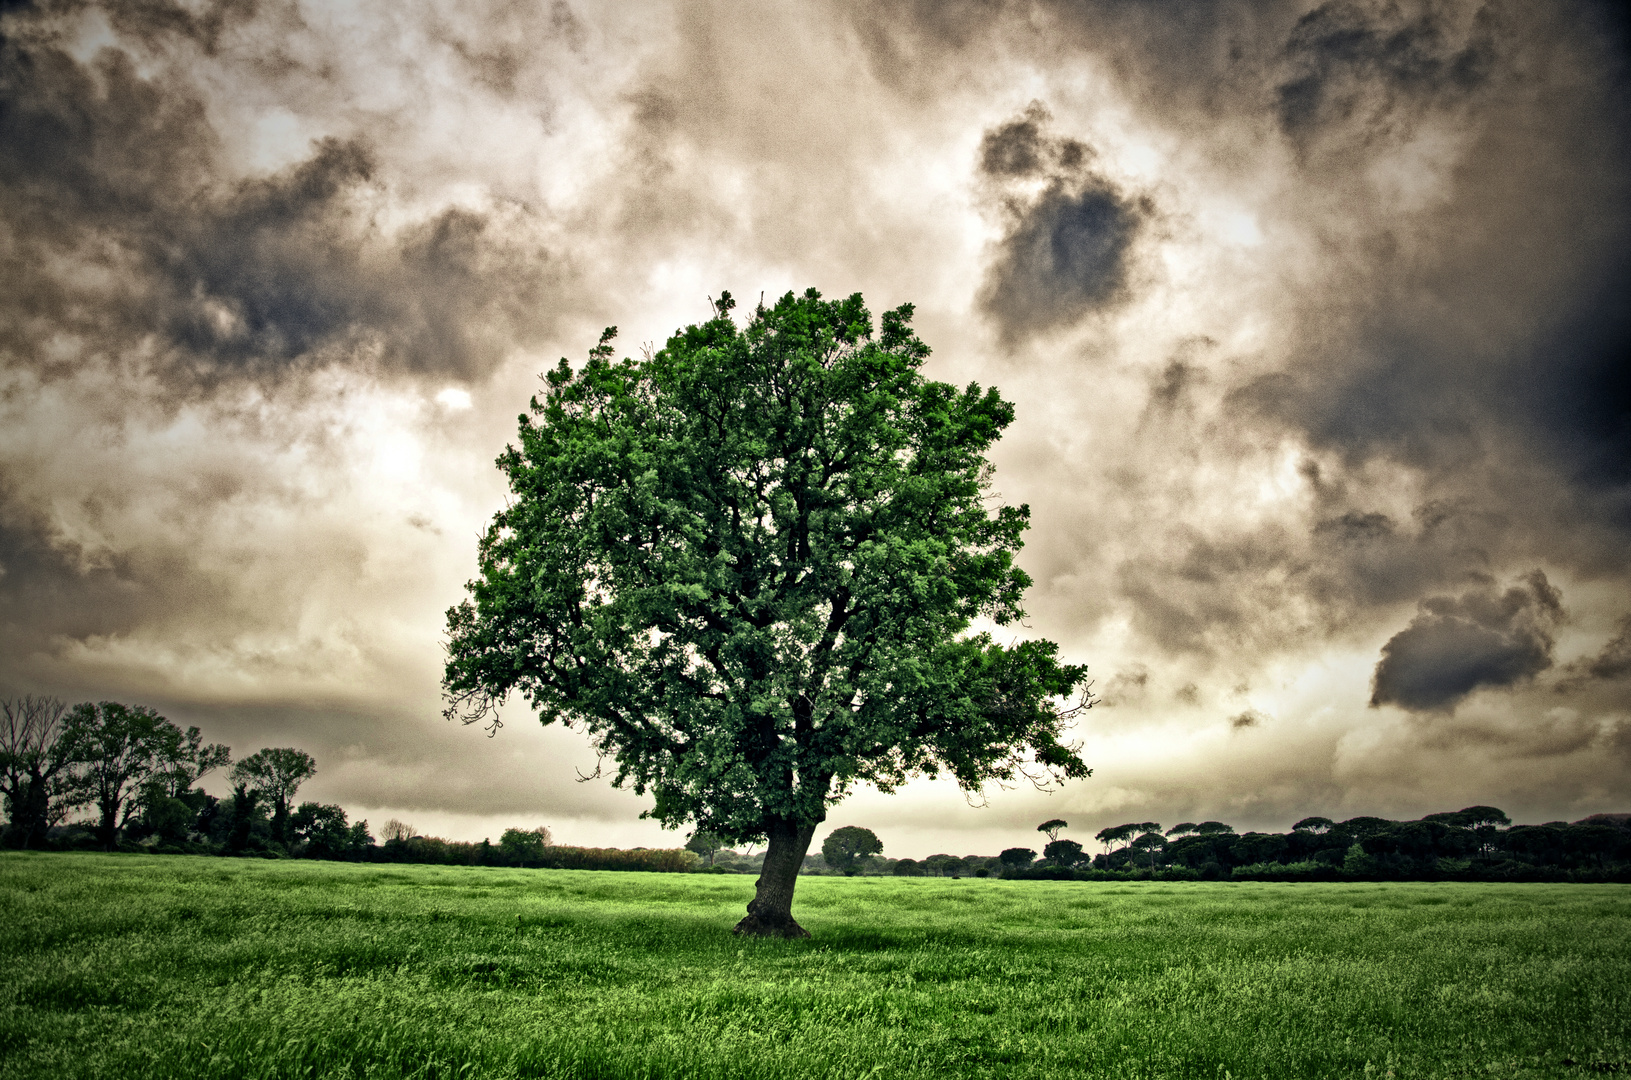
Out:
{"x": 1125, "y": 686}
{"x": 1483, "y": 638}
{"x": 1611, "y": 664}
{"x": 204, "y": 24}
{"x": 1201, "y": 57}
{"x": 1614, "y": 662}
{"x": 126, "y": 229}
{"x": 1067, "y": 249}
{"x": 1352, "y": 64}
{"x": 1211, "y": 595}
{"x": 1247, "y": 719}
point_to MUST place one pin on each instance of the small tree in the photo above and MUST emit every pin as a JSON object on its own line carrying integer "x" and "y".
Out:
{"x": 276, "y": 774}
{"x": 323, "y": 831}
{"x": 1117, "y": 834}
{"x": 942, "y": 865}
{"x": 1214, "y": 828}
{"x": 523, "y": 846}
{"x": 705, "y": 844}
{"x": 1485, "y": 822}
{"x": 1016, "y": 858}
{"x": 1183, "y": 829}
{"x": 1063, "y": 852}
{"x": 183, "y": 759}
{"x": 847, "y": 848}
{"x": 748, "y": 566}
{"x": 394, "y": 829}
{"x": 1319, "y": 826}
{"x": 119, "y": 747}
{"x": 1052, "y": 827}
{"x": 36, "y": 767}
{"x": 1151, "y": 842}
{"x": 244, "y": 821}
{"x": 908, "y": 868}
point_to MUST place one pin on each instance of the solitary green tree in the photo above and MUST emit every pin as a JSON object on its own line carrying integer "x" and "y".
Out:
{"x": 747, "y": 565}
{"x": 845, "y": 848}
{"x": 1051, "y": 827}
{"x": 276, "y": 773}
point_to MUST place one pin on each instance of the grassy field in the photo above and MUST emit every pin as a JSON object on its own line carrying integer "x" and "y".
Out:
{"x": 137, "y": 966}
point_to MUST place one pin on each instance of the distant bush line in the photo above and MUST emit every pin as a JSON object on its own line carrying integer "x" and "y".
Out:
{"x": 1475, "y": 844}
{"x": 135, "y": 774}
{"x": 401, "y": 849}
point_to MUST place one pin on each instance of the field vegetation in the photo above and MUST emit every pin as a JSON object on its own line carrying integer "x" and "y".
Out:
{"x": 158, "y": 966}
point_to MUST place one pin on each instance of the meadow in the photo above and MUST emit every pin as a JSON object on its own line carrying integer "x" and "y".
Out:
{"x": 160, "y": 966}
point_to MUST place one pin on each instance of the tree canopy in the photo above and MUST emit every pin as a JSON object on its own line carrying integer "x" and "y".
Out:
{"x": 116, "y": 747}
{"x": 747, "y": 566}
{"x": 36, "y": 766}
{"x": 1052, "y": 827}
{"x": 844, "y": 848}
{"x": 276, "y": 772}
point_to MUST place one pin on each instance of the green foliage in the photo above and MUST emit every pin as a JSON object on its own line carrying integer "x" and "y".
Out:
{"x": 1017, "y": 856}
{"x": 115, "y": 749}
{"x": 650, "y": 860}
{"x": 1063, "y": 852}
{"x": 846, "y": 848}
{"x": 1357, "y": 862}
{"x": 276, "y": 773}
{"x": 321, "y": 831}
{"x": 747, "y": 565}
{"x": 704, "y": 845}
{"x": 1052, "y": 827}
{"x": 1151, "y": 843}
{"x": 524, "y": 847}
{"x": 36, "y": 767}
{"x": 148, "y": 967}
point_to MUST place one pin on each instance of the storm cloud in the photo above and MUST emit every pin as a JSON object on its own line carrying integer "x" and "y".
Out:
{"x": 1312, "y": 314}
{"x": 1066, "y": 248}
{"x": 127, "y": 228}
{"x": 1483, "y": 638}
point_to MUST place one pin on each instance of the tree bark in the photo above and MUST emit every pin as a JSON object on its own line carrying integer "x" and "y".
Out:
{"x": 770, "y": 912}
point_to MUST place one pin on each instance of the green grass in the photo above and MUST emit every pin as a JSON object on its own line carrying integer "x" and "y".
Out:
{"x": 139, "y": 966}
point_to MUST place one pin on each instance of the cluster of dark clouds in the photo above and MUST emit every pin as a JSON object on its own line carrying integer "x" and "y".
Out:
{"x": 125, "y": 226}
{"x": 148, "y": 271}
{"x": 1065, "y": 248}
{"x": 1314, "y": 313}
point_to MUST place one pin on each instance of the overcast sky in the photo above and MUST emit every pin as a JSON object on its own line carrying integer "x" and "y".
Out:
{"x": 1314, "y": 317}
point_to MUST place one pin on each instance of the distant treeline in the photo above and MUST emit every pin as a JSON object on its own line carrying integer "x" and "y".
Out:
{"x": 130, "y": 777}
{"x": 1476, "y": 843}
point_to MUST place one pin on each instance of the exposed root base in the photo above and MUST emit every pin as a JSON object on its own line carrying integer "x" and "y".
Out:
{"x": 760, "y": 926}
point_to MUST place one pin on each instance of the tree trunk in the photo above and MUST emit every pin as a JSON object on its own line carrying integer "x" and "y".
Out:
{"x": 770, "y": 912}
